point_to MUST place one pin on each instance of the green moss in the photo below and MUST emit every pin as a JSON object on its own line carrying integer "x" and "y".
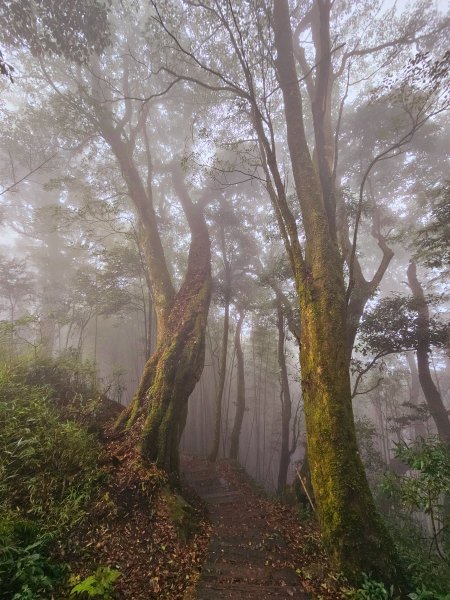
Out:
{"x": 182, "y": 514}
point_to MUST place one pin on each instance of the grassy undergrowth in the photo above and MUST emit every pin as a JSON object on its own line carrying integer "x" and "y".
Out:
{"x": 49, "y": 475}
{"x": 80, "y": 515}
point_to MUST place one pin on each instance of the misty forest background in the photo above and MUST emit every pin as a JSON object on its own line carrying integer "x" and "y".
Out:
{"x": 133, "y": 134}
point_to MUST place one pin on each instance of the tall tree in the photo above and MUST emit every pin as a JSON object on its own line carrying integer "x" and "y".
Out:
{"x": 432, "y": 395}
{"x": 240, "y": 391}
{"x": 353, "y": 533}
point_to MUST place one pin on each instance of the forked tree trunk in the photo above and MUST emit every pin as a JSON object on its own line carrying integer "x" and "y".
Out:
{"x": 240, "y": 396}
{"x": 159, "y": 408}
{"x": 173, "y": 370}
{"x": 355, "y": 538}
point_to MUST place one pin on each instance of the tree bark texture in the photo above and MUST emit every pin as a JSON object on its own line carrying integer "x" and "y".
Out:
{"x": 355, "y": 538}
{"x": 159, "y": 408}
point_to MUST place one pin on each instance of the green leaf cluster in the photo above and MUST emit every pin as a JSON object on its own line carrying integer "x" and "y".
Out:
{"x": 98, "y": 585}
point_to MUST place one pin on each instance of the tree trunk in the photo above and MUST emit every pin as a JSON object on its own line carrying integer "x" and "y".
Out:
{"x": 222, "y": 373}
{"x": 432, "y": 396}
{"x": 286, "y": 405}
{"x": 240, "y": 396}
{"x": 223, "y": 351}
{"x": 170, "y": 375}
{"x": 419, "y": 426}
{"x": 159, "y": 408}
{"x": 355, "y": 538}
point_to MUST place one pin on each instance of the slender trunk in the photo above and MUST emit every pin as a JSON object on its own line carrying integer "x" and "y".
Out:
{"x": 240, "y": 397}
{"x": 305, "y": 497}
{"x": 223, "y": 350}
{"x": 432, "y": 396}
{"x": 355, "y": 538}
{"x": 419, "y": 426}
{"x": 286, "y": 405}
{"x": 222, "y": 373}
{"x": 11, "y": 322}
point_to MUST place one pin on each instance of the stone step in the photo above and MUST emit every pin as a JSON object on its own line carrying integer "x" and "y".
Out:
{"x": 241, "y": 591}
{"x": 242, "y": 549}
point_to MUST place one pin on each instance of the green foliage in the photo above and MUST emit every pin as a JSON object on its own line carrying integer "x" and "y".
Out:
{"x": 372, "y": 590}
{"x": 48, "y": 476}
{"x": 26, "y": 571}
{"x": 433, "y": 240}
{"x": 98, "y": 585}
{"x": 420, "y": 491}
{"x": 73, "y": 30}
{"x": 48, "y": 467}
{"x": 392, "y": 326}
{"x": 424, "y": 594}
{"x": 66, "y": 377}
{"x": 430, "y": 460}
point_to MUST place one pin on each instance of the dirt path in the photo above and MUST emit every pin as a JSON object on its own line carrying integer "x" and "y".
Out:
{"x": 247, "y": 557}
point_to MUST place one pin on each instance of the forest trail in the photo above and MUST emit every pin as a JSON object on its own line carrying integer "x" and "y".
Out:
{"x": 248, "y": 556}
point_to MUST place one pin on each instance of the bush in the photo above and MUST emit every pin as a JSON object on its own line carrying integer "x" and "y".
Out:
{"x": 48, "y": 476}
{"x": 412, "y": 498}
{"x": 372, "y": 590}
{"x": 98, "y": 585}
{"x": 26, "y": 571}
{"x": 48, "y": 467}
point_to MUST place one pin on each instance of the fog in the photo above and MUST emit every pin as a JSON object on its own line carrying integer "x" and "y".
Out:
{"x": 160, "y": 231}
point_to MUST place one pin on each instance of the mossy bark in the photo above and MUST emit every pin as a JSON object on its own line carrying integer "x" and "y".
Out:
{"x": 355, "y": 537}
{"x": 353, "y": 533}
{"x": 160, "y": 404}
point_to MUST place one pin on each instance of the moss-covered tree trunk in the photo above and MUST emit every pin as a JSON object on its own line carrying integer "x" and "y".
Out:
{"x": 240, "y": 395}
{"x": 159, "y": 408}
{"x": 353, "y": 533}
{"x": 161, "y": 402}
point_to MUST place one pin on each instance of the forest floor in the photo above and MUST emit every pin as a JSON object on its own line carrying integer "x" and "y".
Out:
{"x": 222, "y": 538}
{"x": 154, "y": 537}
{"x": 258, "y": 549}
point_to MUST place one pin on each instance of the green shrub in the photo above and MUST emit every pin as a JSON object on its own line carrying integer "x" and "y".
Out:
{"x": 372, "y": 590}
{"x": 424, "y": 594}
{"x": 26, "y": 571}
{"x": 48, "y": 476}
{"x": 71, "y": 383}
{"x": 421, "y": 492}
{"x": 48, "y": 467}
{"x": 98, "y": 585}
